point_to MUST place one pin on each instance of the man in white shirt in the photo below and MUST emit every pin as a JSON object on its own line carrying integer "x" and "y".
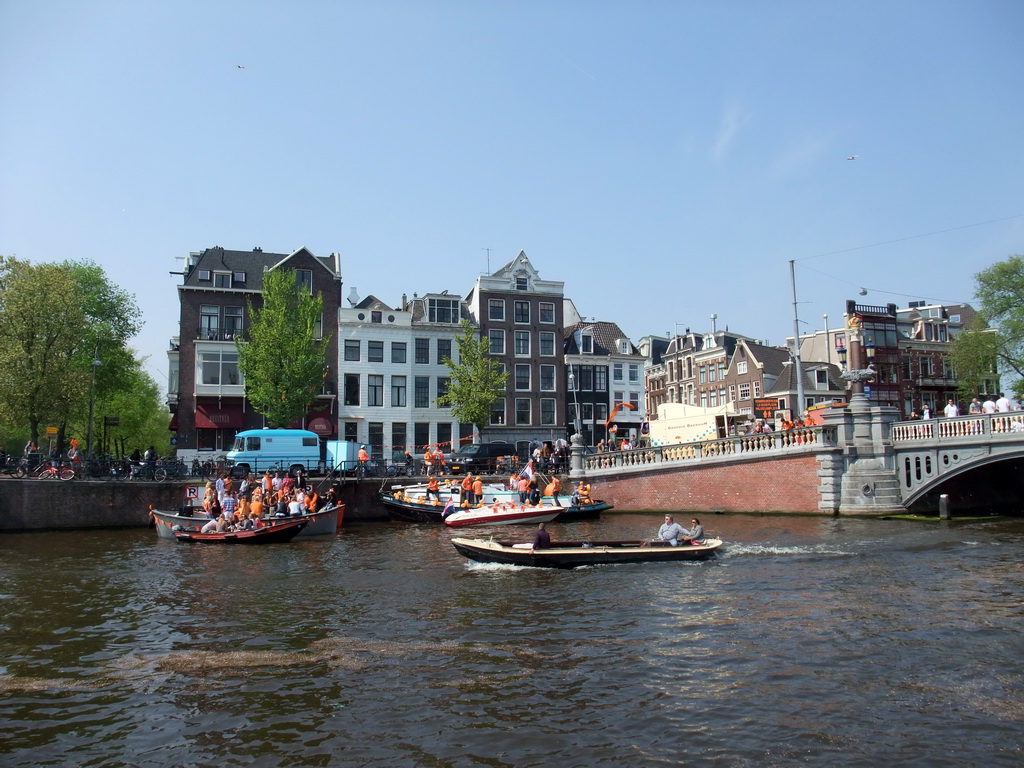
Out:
{"x": 989, "y": 406}
{"x": 1003, "y": 403}
{"x": 951, "y": 410}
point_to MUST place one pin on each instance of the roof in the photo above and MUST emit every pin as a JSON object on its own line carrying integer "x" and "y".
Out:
{"x": 253, "y": 263}
{"x": 605, "y": 335}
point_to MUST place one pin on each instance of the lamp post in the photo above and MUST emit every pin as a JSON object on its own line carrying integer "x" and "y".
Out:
{"x": 828, "y": 344}
{"x": 859, "y": 350}
{"x": 92, "y": 398}
{"x": 798, "y": 412}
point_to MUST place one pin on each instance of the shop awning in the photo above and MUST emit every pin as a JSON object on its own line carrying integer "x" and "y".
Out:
{"x": 225, "y": 416}
{"x": 173, "y": 426}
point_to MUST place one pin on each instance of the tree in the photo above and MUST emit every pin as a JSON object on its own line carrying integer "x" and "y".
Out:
{"x": 282, "y": 361}
{"x": 1000, "y": 290}
{"x": 477, "y": 380}
{"x": 974, "y": 354}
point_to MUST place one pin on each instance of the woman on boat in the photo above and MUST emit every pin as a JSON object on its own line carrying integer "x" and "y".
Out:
{"x": 696, "y": 535}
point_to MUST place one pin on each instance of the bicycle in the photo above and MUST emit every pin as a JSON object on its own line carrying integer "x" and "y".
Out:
{"x": 56, "y": 472}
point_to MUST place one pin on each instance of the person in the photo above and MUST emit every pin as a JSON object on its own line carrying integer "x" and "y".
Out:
{"x": 951, "y": 410}
{"x": 439, "y": 463}
{"x": 478, "y": 490}
{"x": 989, "y": 406}
{"x": 220, "y": 487}
{"x": 583, "y": 493}
{"x": 428, "y": 460}
{"x": 975, "y": 406}
{"x": 541, "y": 539}
{"x": 553, "y": 489}
{"x": 524, "y": 489}
{"x": 229, "y": 504}
{"x": 295, "y": 507}
{"x": 696, "y": 534}
{"x": 151, "y": 457}
{"x": 467, "y": 490}
{"x": 256, "y": 506}
{"x": 364, "y": 460}
{"x": 672, "y": 532}
{"x": 433, "y": 488}
{"x": 1003, "y": 403}
{"x": 209, "y": 527}
{"x": 926, "y": 412}
{"x": 534, "y": 494}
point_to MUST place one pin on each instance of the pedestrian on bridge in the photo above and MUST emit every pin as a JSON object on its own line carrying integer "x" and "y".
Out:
{"x": 952, "y": 410}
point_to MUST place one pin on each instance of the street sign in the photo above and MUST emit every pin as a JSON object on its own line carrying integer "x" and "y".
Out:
{"x": 51, "y": 431}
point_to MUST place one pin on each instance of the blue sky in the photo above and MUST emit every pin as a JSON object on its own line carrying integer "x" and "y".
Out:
{"x": 665, "y": 160}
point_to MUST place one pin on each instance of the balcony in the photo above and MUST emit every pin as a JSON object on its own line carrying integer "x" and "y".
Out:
{"x": 218, "y": 334}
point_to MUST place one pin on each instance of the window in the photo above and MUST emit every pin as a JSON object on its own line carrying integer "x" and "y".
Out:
{"x": 623, "y": 346}
{"x": 600, "y": 379}
{"x": 496, "y": 340}
{"x": 422, "y": 351}
{"x": 587, "y": 344}
{"x": 711, "y": 373}
{"x": 745, "y": 391}
{"x": 239, "y": 277}
{"x": 422, "y": 437}
{"x": 421, "y": 394}
{"x": 397, "y": 351}
{"x": 375, "y": 351}
{"x": 398, "y": 393}
{"x": 547, "y": 312}
{"x": 318, "y": 327}
{"x": 702, "y": 375}
{"x": 721, "y": 371}
{"x": 588, "y": 412}
{"x": 522, "y": 284}
{"x": 209, "y": 319}
{"x": 586, "y": 380}
{"x": 352, "y": 350}
{"x": 498, "y": 412}
{"x": 547, "y": 378}
{"x": 304, "y": 279}
{"x": 444, "y": 350}
{"x": 741, "y": 367}
{"x": 443, "y": 310}
{"x": 574, "y": 378}
{"x": 375, "y": 432}
{"x": 522, "y": 311}
{"x": 232, "y": 322}
{"x": 522, "y": 377}
{"x": 547, "y": 344}
{"x": 617, "y": 397}
{"x": 444, "y": 436}
{"x": 634, "y": 399}
{"x": 522, "y": 342}
{"x": 351, "y": 389}
{"x": 617, "y": 372}
{"x": 399, "y": 437}
{"x": 352, "y": 431}
{"x": 821, "y": 379}
{"x": 714, "y": 399}
{"x": 444, "y": 383}
{"x": 757, "y": 388}
{"x": 547, "y": 411}
{"x": 219, "y": 367}
{"x": 496, "y": 309}
{"x": 926, "y": 366}
{"x": 222, "y": 279}
{"x": 522, "y": 411}
{"x": 205, "y": 275}
{"x": 601, "y": 411}
{"x": 376, "y": 316}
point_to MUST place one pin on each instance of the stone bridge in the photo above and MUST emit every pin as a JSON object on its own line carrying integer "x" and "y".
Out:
{"x": 862, "y": 461}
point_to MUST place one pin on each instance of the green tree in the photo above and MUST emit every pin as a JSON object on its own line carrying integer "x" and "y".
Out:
{"x": 1000, "y": 291}
{"x": 282, "y": 361}
{"x": 477, "y": 380}
{"x": 974, "y": 354}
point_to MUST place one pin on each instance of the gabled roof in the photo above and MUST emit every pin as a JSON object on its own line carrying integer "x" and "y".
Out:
{"x": 372, "y": 302}
{"x": 605, "y": 335}
{"x": 786, "y": 381}
{"x": 253, "y": 263}
{"x": 772, "y": 359}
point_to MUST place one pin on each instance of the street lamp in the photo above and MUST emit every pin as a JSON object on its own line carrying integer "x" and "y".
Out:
{"x": 577, "y": 425}
{"x": 92, "y": 398}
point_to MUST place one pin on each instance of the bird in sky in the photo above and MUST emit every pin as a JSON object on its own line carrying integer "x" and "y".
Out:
{"x": 853, "y": 157}
{"x": 240, "y": 66}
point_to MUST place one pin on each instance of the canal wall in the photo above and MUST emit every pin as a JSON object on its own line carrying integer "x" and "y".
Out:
{"x": 38, "y": 505}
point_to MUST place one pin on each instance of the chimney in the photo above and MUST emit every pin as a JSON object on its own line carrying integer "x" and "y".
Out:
{"x": 353, "y": 296}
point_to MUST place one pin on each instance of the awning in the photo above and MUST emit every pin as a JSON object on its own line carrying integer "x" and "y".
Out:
{"x": 226, "y": 416}
{"x": 321, "y": 425}
{"x": 173, "y": 426}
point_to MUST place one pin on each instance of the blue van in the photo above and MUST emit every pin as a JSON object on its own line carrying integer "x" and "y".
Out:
{"x": 257, "y": 450}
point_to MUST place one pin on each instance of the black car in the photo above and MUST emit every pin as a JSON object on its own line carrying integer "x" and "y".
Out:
{"x": 481, "y": 458}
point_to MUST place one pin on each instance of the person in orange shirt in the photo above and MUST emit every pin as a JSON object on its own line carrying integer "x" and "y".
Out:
{"x": 478, "y": 491}
{"x": 467, "y": 489}
{"x": 256, "y": 506}
{"x": 311, "y": 499}
{"x": 428, "y": 460}
{"x": 524, "y": 489}
{"x": 433, "y": 487}
{"x": 553, "y": 488}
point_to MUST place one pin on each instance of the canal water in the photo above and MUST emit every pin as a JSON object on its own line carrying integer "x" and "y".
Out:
{"x": 809, "y": 641}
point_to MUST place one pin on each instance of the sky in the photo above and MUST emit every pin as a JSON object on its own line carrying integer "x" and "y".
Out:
{"x": 665, "y": 160}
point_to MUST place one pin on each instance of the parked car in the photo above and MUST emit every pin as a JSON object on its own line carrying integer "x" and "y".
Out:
{"x": 480, "y": 458}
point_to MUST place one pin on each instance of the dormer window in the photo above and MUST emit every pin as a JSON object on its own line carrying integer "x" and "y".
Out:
{"x": 522, "y": 284}
{"x": 443, "y": 311}
{"x": 205, "y": 275}
{"x": 624, "y": 346}
{"x": 587, "y": 344}
{"x": 222, "y": 279}
{"x": 239, "y": 277}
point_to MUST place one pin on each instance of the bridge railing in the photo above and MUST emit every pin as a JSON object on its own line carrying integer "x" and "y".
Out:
{"x": 741, "y": 445}
{"x": 979, "y": 425}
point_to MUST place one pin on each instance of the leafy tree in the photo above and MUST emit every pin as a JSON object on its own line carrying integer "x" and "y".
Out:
{"x": 974, "y": 354}
{"x": 1000, "y": 290}
{"x": 477, "y": 380}
{"x": 282, "y": 361}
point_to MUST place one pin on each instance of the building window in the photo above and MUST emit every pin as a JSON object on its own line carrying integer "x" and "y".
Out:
{"x": 443, "y": 311}
{"x": 398, "y": 392}
{"x": 376, "y": 316}
{"x": 587, "y": 344}
{"x": 318, "y": 327}
{"x": 601, "y": 411}
{"x": 522, "y": 284}
{"x": 421, "y": 393}
{"x": 496, "y": 309}
{"x": 741, "y": 367}
{"x": 397, "y": 351}
{"x": 498, "y": 412}
{"x": 634, "y": 399}
{"x": 547, "y": 411}
{"x": 586, "y": 379}
{"x": 600, "y": 379}
{"x": 522, "y": 411}
{"x": 422, "y": 351}
{"x": 711, "y": 373}
{"x": 926, "y": 366}
{"x": 352, "y": 431}
{"x": 444, "y": 436}
{"x": 222, "y": 279}
{"x": 304, "y": 279}
{"x": 617, "y": 397}
{"x": 547, "y": 344}
{"x": 399, "y": 438}
{"x": 547, "y": 312}
{"x": 209, "y": 319}
{"x": 745, "y": 391}
{"x": 496, "y": 340}
{"x": 205, "y": 275}
{"x": 232, "y": 322}
{"x": 757, "y": 388}
{"x": 218, "y": 367}
{"x": 821, "y": 379}
{"x": 239, "y": 278}
{"x": 375, "y": 351}
{"x": 702, "y": 375}
{"x": 444, "y": 350}
{"x": 444, "y": 383}
{"x": 522, "y": 377}
{"x": 522, "y": 311}
{"x": 522, "y": 342}
{"x": 714, "y": 398}
{"x": 352, "y": 350}
{"x": 547, "y": 378}
{"x": 375, "y": 432}
{"x": 617, "y": 372}
{"x": 351, "y": 389}
{"x": 588, "y": 412}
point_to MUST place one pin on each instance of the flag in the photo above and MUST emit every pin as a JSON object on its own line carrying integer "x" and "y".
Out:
{"x": 527, "y": 471}
{"x": 448, "y": 508}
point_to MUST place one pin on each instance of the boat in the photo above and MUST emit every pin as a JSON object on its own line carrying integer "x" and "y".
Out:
{"x": 409, "y": 504}
{"x": 502, "y": 514}
{"x": 323, "y": 522}
{"x": 572, "y": 554}
{"x": 271, "y": 534}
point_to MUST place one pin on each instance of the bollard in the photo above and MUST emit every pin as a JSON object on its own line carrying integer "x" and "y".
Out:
{"x": 944, "y": 506}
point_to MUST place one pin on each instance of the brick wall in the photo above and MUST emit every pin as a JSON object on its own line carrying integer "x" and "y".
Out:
{"x": 778, "y": 485}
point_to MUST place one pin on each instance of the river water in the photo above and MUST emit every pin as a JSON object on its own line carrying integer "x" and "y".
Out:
{"x": 809, "y": 641}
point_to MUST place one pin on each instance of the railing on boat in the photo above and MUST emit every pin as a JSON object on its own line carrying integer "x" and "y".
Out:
{"x": 741, "y": 445}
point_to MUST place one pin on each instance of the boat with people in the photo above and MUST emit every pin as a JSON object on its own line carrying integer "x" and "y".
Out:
{"x": 573, "y": 554}
{"x": 502, "y": 514}
{"x": 323, "y": 522}
{"x": 276, "y": 533}
{"x": 412, "y": 504}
